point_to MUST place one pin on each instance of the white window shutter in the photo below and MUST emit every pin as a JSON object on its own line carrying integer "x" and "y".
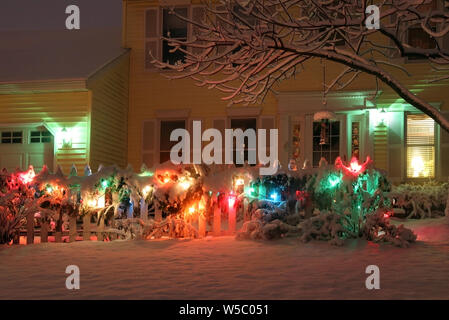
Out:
{"x": 149, "y": 143}
{"x": 152, "y": 36}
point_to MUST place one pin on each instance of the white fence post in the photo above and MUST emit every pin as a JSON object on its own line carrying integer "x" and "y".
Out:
{"x": 217, "y": 218}
{"x": 86, "y": 226}
{"x": 72, "y": 228}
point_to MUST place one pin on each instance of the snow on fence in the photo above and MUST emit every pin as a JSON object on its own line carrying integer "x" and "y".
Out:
{"x": 186, "y": 201}
{"x": 172, "y": 201}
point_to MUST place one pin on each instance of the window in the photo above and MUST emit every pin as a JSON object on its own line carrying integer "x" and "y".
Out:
{"x": 165, "y": 144}
{"x": 174, "y": 28}
{"x": 420, "y": 146}
{"x": 326, "y": 141}
{"x": 417, "y": 37}
{"x": 12, "y": 137}
{"x": 244, "y": 124}
{"x": 296, "y": 141}
{"x": 355, "y": 140}
{"x": 40, "y": 136}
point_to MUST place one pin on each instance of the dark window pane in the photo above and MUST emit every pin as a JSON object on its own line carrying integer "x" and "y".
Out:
{"x": 174, "y": 27}
{"x": 17, "y": 140}
{"x": 35, "y": 133}
{"x": 164, "y": 156}
{"x": 35, "y": 140}
{"x": 335, "y": 128}
{"x": 334, "y": 156}
{"x": 46, "y": 139}
{"x": 316, "y": 158}
{"x": 6, "y": 140}
{"x": 166, "y": 129}
{"x": 335, "y": 143}
{"x": 172, "y": 57}
{"x": 46, "y": 134}
{"x": 244, "y": 124}
{"x": 316, "y": 143}
{"x": 6, "y": 134}
{"x": 316, "y": 129}
{"x": 17, "y": 134}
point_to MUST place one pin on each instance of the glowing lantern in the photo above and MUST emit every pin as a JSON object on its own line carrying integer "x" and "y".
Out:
{"x": 354, "y": 167}
{"x": 28, "y": 176}
{"x": 65, "y": 138}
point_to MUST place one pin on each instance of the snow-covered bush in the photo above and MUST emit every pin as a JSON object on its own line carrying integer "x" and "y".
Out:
{"x": 421, "y": 201}
{"x": 325, "y": 226}
{"x": 378, "y": 229}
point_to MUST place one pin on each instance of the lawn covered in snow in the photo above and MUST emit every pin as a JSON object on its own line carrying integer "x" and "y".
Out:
{"x": 224, "y": 268}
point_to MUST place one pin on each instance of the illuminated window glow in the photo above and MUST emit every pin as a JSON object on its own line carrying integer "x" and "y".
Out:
{"x": 420, "y": 146}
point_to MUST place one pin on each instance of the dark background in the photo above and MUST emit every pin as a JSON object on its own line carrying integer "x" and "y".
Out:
{"x": 50, "y": 14}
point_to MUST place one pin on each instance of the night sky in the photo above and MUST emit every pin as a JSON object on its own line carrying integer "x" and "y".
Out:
{"x": 50, "y": 14}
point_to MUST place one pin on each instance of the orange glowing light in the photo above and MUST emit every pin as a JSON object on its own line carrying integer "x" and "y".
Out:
{"x": 354, "y": 167}
{"x": 28, "y": 176}
{"x": 192, "y": 210}
{"x": 239, "y": 182}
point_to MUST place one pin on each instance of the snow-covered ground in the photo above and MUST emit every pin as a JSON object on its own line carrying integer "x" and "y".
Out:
{"x": 224, "y": 268}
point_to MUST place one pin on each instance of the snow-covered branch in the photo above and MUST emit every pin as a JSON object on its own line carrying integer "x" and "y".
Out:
{"x": 244, "y": 47}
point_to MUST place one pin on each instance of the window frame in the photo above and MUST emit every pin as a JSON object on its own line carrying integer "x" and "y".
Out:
{"x": 340, "y": 137}
{"x": 159, "y": 31}
{"x": 406, "y": 145}
{"x": 40, "y": 137}
{"x": 12, "y": 137}
{"x": 159, "y": 135}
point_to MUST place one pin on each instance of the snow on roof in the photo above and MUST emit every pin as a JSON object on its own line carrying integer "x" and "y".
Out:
{"x": 56, "y": 54}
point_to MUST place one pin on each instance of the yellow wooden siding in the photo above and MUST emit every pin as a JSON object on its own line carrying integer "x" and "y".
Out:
{"x": 150, "y": 91}
{"x": 380, "y": 143}
{"x": 57, "y": 110}
{"x": 109, "y": 108}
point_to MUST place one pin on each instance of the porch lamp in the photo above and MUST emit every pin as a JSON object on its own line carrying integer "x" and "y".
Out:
{"x": 66, "y": 138}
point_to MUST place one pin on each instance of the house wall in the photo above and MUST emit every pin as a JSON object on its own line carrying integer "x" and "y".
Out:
{"x": 151, "y": 91}
{"x": 109, "y": 108}
{"x": 57, "y": 110}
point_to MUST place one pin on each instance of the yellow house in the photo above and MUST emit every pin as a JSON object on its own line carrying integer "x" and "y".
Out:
{"x": 405, "y": 143}
{"x": 63, "y": 99}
